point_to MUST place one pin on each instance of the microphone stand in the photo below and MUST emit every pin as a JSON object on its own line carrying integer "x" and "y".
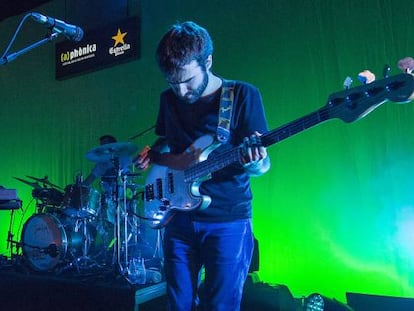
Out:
{"x": 7, "y": 58}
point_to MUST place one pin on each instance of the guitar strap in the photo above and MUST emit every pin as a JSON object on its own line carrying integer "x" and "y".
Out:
{"x": 225, "y": 111}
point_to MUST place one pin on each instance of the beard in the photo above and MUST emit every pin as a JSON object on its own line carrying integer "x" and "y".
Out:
{"x": 194, "y": 95}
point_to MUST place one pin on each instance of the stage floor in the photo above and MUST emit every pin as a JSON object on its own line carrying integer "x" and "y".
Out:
{"x": 100, "y": 289}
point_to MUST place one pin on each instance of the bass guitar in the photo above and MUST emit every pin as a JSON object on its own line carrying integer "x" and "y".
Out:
{"x": 168, "y": 191}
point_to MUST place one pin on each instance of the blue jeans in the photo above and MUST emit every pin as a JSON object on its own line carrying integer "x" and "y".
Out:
{"x": 224, "y": 249}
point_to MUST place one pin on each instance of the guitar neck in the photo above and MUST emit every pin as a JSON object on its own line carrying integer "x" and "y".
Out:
{"x": 295, "y": 127}
{"x": 213, "y": 164}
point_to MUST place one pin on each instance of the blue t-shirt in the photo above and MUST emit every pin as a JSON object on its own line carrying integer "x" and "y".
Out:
{"x": 181, "y": 124}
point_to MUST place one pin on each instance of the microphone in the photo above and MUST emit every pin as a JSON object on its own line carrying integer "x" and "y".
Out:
{"x": 51, "y": 250}
{"x": 72, "y": 32}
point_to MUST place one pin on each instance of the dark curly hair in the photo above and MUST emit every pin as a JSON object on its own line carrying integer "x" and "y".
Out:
{"x": 183, "y": 43}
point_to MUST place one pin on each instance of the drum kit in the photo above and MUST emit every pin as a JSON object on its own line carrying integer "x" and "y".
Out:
{"x": 78, "y": 228}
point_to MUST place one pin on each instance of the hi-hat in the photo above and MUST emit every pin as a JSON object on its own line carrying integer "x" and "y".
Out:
{"x": 45, "y": 181}
{"x": 33, "y": 184}
{"x": 111, "y": 151}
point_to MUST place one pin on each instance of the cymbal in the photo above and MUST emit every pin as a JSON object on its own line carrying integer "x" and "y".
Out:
{"x": 33, "y": 184}
{"x": 108, "y": 152}
{"x": 44, "y": 181}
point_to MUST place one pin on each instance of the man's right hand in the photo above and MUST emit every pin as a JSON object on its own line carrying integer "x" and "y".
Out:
{"x": 142, "y": 160}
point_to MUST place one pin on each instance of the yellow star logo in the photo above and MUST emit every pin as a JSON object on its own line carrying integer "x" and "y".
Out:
{"x": 119, "y": 37}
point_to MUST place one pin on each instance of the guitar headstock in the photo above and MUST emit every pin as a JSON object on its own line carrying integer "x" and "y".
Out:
{"x": 355, "y": 103}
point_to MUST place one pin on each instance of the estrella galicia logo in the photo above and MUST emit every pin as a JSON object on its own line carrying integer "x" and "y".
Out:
{"x": 120, "y": 46}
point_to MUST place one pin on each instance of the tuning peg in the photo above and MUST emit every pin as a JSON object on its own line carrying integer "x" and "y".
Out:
{"x": 386, "y": 71}
{"x": 366, "y": 77}
{"x": 347, "y": 83}
{"x": 406, "y": 64}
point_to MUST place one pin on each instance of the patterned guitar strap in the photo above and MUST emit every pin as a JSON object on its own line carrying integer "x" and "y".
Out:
{"x": 225, "y": 111}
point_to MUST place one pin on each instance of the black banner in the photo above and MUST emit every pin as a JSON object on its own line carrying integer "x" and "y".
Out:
{"x": 98, "y": 49}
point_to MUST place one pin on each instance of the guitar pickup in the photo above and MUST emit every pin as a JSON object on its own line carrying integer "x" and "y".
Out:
{"x": 149, "y": 192}
{"x": 160, "y": 194}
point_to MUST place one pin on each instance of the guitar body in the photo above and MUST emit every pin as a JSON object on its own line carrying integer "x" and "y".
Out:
{"x": 168, "y": 191}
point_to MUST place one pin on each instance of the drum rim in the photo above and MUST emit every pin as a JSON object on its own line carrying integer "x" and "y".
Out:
{"x": 79, "y": 211}
{"x": 64, "y": 238}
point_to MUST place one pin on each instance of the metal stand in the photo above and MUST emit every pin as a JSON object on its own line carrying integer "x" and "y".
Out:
{"x": 121, "y": 218}
{"x": 132, "y": 251}
{"x": 83, "y": 262}
{"x": 11, "y": 204}
{"x": 14, "y": 246}
{"x": 7, "y": 58}
{"x": 122, "y": 236}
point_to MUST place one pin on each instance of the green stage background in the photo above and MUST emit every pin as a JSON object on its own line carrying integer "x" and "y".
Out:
{"x": 336, "y": 211}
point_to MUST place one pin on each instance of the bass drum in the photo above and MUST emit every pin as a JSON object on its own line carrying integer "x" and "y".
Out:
{"x": 46, "y": 242}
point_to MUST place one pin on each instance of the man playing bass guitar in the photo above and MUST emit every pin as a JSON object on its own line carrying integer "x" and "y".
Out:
{"x": 203, "y": 115}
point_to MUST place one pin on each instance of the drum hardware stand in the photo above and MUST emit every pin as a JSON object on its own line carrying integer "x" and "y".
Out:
{"x": 121, "y": 216}
{"x": 124, "y": 235}
{"x": 10, "y": 201}
{"x": 158, "y": 251}
{"x": 117, "y": 260}
{"x": 86, "y": 244}
{"x": 84, "y": 261}
{"x": 13, "y": 245}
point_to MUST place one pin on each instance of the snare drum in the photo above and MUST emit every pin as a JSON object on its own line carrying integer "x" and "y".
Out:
{"x": 80, "y": 201}
{"x": 46, "y": 242}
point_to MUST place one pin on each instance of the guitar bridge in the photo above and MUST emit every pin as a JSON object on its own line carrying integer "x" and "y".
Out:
{"x": 165, "y": 204}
